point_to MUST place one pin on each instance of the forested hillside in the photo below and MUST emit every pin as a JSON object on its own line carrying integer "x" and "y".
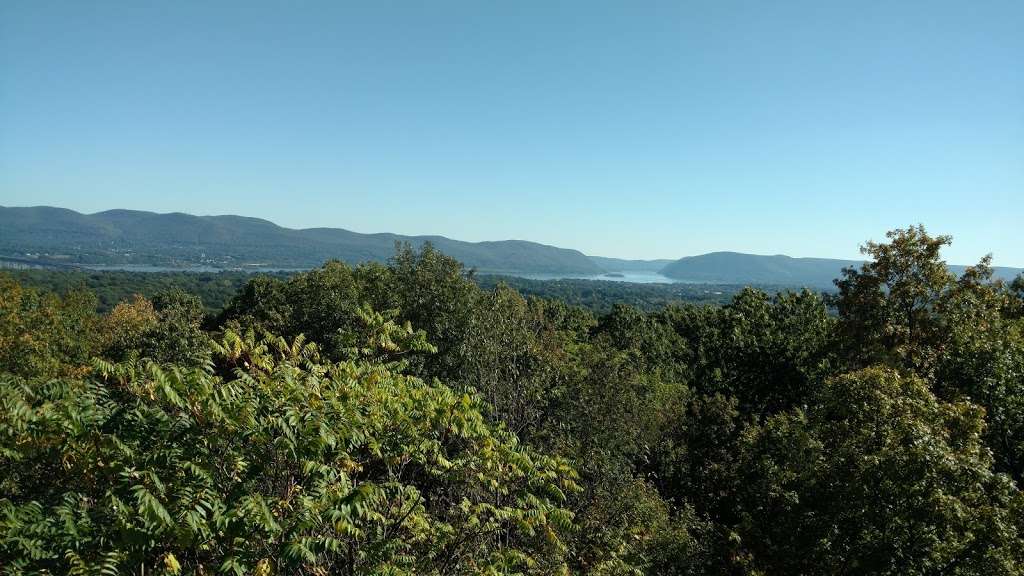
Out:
{"x": 737, "y": 268}
{"x": 48, "y": 237}
{"x": 398, "y": 418}
{"x": 132, "y": 237}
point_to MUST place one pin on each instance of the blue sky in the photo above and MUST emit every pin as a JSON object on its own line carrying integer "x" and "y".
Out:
{"x": 629, "y": 129}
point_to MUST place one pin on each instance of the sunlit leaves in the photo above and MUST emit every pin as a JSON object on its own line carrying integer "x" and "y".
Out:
{"x": 289, "y": 462}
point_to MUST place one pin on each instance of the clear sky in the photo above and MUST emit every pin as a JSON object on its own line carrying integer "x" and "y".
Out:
{"x": 631, "y": 129}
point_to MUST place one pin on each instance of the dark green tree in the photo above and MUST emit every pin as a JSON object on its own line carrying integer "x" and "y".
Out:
{"x": 877, "y": 476}
{"x": 177, "y": 336}
{"x": 982, "y": 360}
{"x": 887, "y": 308}
{"x": 768, "y": 352}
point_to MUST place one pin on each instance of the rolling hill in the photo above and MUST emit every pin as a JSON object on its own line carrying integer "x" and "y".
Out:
{"x": 739, "y": 268}
{"x": 130, "y": 237}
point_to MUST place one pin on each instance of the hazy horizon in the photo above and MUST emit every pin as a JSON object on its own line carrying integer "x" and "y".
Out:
{"x": 631, "y": 131}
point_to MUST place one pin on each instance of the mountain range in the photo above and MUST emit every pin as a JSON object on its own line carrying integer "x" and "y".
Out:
{"x": 738, "y": 268}
{"x": 132, "y": 238}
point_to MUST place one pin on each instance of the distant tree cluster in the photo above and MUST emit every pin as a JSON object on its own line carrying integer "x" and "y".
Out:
{"x": 216, "y": 289}
{"x": 110, "y": 287}
{"x": 401, "y": 419}
{"x": 600, "y": 296}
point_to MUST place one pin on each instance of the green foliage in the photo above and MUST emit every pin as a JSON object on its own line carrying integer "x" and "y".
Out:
{"x": 114, "y": 286}
{"x": 1017, "y": 289}
{"x": 599, "y": 296}
{"x": 494, "y": 342}
{"x": 769, "y": 352}
{"x": 177, "y": 336}
{"x": 697, "y": 454}
{"x": 290, "y": 464}
{"x": 981, "y": 359}
{"x": 878, "y": 476}
{"x": 45, "y": 335}
{"x": 409, "y": 418}
{"x": 962, "y": 335}
{"x": 887, "y": 307}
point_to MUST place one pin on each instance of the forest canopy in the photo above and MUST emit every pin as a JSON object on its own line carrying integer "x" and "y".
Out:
{"x": 400, "y": 418}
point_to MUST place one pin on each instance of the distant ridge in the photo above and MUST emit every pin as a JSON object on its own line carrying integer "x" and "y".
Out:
{"x": 132, "y": 237}
{"x": 620, "y": 265}
{"x": 739, "y": 268}
{"x": 60, "y": 237}
{"x": 735, "y": 267}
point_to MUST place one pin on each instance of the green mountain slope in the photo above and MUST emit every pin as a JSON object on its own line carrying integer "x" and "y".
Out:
{"x": 129, "y": 237}
{"x": 738, "y": 268}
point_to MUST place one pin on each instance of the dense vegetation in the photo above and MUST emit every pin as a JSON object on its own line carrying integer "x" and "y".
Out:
{"x": 110, "y": 287}
{"x": 401, "y": 419}
{"x": 602, "y": 295}
{"x": 216, "y": 289}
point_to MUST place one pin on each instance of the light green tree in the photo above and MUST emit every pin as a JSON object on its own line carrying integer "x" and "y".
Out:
{"x": 287, "y": 464}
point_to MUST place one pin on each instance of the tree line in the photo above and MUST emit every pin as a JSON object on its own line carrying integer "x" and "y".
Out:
{"x": 400, "y": 419}
{"x": 111, "y": 287}
{"x": 216, "y": 289}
